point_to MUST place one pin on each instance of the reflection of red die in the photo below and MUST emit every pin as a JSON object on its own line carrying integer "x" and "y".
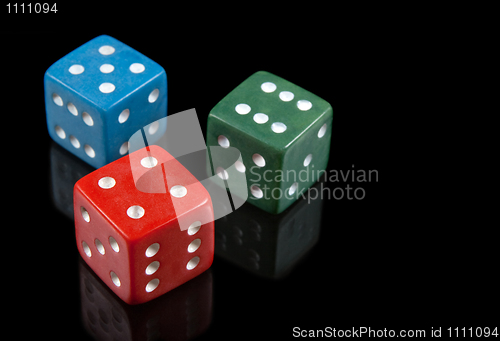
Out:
{"x": 180, "y": 315}
{"x": 144, "y": 224}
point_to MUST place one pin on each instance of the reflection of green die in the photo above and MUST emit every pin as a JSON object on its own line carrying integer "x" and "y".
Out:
{"x": 283, "y": 133}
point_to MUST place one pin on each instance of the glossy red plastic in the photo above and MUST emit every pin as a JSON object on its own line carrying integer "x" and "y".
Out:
{"x": 128, "y": 230}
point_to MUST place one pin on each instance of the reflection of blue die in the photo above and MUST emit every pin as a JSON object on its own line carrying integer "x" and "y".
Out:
{"x": 100, "y": 94}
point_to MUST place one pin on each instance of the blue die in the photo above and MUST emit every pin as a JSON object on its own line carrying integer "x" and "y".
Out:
{"x": 99, "y": 95}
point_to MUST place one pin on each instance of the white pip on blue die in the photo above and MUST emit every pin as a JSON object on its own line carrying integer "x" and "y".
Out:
{"x": 99, "y": 95}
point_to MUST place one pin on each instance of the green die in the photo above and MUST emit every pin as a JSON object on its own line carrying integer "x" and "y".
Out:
{"x": 283, "y": 133}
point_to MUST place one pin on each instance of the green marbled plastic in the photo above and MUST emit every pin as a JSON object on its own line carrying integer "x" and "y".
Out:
{"x": 285, "y": 152}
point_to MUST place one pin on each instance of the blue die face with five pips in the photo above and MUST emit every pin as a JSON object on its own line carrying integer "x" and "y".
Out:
{"x": 99, "y": 95}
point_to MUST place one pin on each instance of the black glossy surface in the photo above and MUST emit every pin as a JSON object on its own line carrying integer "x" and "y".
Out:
{"x": 384, "y": 261}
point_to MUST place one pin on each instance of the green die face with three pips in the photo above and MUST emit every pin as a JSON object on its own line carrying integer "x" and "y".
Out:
{"x": 283, "y": 133}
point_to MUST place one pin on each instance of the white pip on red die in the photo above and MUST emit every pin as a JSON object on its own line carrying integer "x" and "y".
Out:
{"x": 144, "y": 224}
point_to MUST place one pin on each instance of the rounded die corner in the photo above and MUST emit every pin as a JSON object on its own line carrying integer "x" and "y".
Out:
{"x": 262, "y": 72}
{"x": 103, "y": 38}
{"x": 47, "y": 74}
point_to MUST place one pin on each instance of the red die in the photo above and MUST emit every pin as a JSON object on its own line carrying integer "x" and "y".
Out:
{"x": 144, "y": 224}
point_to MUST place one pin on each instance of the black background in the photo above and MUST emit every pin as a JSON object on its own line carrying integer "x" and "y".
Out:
{"x": 396, "y": 259}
